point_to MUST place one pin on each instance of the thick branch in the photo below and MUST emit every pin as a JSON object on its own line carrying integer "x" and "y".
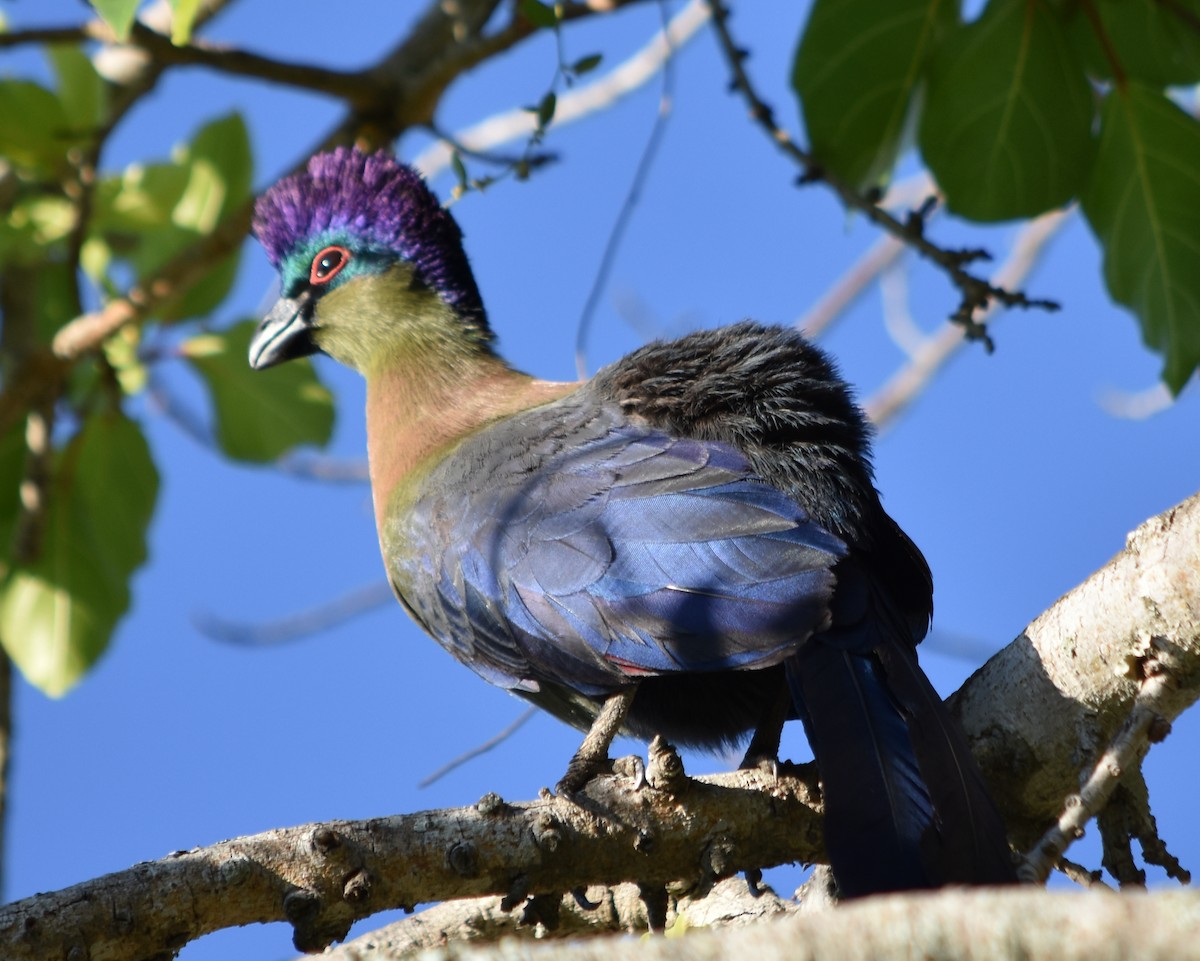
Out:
{"x": 323, "y": 877}
{"x": 1042, "y": 710}
{"x": 955, "y": 925}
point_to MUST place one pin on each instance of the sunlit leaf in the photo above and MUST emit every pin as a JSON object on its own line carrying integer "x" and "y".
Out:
{"x": 58, "y": 611}
{"x": 260, "y": 415}
{"x": 183, "y": 17}
{"x": 149, "y": 214}
{"x": 118, "y": 14}
{"x": 1143, "y": 202}
{"x": 1007, "y": 125}
{"x": 857, "y": 70}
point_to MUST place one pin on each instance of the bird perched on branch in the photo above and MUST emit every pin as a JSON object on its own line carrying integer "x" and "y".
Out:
{"x": 687, "y": 544}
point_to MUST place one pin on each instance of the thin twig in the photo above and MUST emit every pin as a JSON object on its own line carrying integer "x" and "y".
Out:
{"x": 844, "y": 291}
{"x": 496, "y": 739}
{"x": 1143, "y": 725}
{"x": 295, "y": 626}
{"x": 977, "y": 294}
{"x": 903, "y": 387}
{"x": 645, "y": 162}
{"x": 574, "y": 104}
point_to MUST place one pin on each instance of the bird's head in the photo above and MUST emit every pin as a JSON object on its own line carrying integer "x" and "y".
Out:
{"x": 370, "y": 265}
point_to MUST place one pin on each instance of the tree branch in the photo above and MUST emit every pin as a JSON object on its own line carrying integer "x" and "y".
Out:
{"x": 1036, "y": 713}
{"x": 952, "y": 925}
{"x": 1045, "y": 707}
{"x": 975, "y": 292}
{"x": 323, "y": 877}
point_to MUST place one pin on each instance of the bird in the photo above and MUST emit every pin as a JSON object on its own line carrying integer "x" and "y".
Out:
{"x": 687, "y": 544}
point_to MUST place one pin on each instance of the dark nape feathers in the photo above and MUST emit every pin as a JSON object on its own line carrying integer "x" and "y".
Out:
{"x": 380, "y": 203}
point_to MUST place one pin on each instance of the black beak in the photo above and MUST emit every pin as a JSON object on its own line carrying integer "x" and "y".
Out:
{"x": 284, "y": 334}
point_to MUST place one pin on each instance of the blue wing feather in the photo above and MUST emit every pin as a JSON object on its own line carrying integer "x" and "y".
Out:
{"x": 624, "y": 553}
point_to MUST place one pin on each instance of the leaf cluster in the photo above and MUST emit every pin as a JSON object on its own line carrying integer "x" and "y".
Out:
{"x": 75, "y": 508}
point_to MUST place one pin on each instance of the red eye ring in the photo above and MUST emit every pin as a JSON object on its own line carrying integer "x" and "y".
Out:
{"x": 327, "y": 264}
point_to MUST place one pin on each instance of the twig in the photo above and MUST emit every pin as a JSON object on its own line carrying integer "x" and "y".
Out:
{"x": 632, "y": 196}
{"x": 480, "y": 749}
{"x": 355, "y": 87}
{"x": 1139, "y": 404}
{"x": 1080, "y": 875}
{"x": 903, "y": 387}
{"x": 1145, "y": 724}
{"x": 315, "y": 619}
{"x": 976, "y": 293}
{"x": 576, "y": 103}
{"x": 885, "y": 251}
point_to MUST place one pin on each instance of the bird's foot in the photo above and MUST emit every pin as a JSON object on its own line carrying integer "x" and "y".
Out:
{"x": 583, "y": 769}
{"x": 767, "y": 763}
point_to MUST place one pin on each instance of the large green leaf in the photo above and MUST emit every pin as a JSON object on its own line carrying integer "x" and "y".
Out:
{"x": 1007, "y": 126}
{"x": 81, "y": 90}
{"x": 32, "y": 125}
{"x": 1143, "y": 202}
{"x": 260, "y": 415}
{"x": 148, "y": 215}
{"x": 857, "y": 68}
{"x": 1148, "y": 40}
{"x": 118, "y": 14}
{"x": 58, "y": 611}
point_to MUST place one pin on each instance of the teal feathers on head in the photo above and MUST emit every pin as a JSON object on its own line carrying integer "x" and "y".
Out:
{"x": 375, "y": 202}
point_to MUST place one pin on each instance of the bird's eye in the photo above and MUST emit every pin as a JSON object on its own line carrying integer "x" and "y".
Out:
{"x": 327, "y": 264}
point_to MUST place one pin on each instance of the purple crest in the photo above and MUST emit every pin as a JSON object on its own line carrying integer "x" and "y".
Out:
{"x": 380, "y": 201}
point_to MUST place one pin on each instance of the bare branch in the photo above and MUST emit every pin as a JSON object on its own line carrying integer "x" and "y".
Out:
{"x": 614, "y": 909}
{"x": 575, "y": 104}
{"x": 479, "y": 749}
{"x": 1145, "y": 723}
{"x": 632, "y": 196}
{"x": 295, "y": 626}
{"x": 977, "y": 294}
{"x": 321, "y": 877}
{"x": 952, "y": 925}
{"x": 908, "y": 383}
{"x": 1051, "y": 701}
{"x": 884, "y": 252}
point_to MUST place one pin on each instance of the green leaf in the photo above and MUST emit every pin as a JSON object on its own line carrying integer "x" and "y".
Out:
{"x": 857, "y": 69}
{"x": 1007, "y": 127}
{"x": 539, "y": 14}
{"x": 33, "y": 126}
{"x": 1151, "y": 41}
{"x": 118, "y": 14}
{"x": 545, "y": 109}
{"x": 58, "y": 611}
{"x": 586, "y": 64}
{"x": 260, "y": 415}
{"x": 81, "y": 91}
{"x": 150, "y": 214}
{"x": 1143, "y": 202}
{"x": 182, "y": 19}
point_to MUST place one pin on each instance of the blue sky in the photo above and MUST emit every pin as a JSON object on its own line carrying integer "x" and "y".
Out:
{"x": 1008, "y": 472}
